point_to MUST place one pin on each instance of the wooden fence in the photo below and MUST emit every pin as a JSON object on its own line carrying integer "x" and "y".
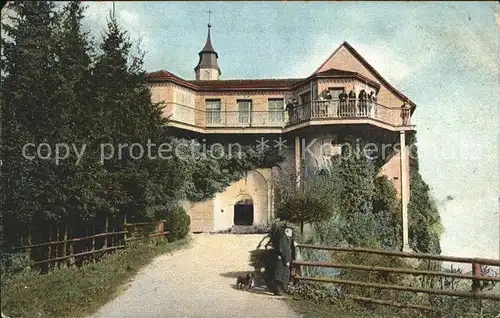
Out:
{"x": 475, "y": 278}
{"x": 65, "y": 249}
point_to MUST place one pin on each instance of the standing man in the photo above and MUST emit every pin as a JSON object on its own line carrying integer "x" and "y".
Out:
{"x": 352, "y": 104}
{"x": 405, "y": 114}
{"x": 289, "y": 109}
{"x": 284, "y": 258}
{"x": 342, "y": 103}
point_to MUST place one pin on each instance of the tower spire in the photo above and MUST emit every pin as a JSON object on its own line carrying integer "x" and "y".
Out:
{"x": 208, "y": 45}
{"x": 207, "y": 67}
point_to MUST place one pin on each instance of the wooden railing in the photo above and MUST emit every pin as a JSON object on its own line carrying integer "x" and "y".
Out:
{"x": 476, "y": 277}
{"x": 67, "y": 248}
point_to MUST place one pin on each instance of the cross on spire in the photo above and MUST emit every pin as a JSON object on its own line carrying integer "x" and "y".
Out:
{"x": 209, "y": 13}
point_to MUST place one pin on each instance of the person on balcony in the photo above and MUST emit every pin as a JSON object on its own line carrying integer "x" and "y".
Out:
{"x": 289, "y": 110}
{"x": 295, "y": 109}
{"x": 405, "y": 114}
{"x": 372, "y": 99}
{"x": 342, "y": 103}
{"x": 328, "y": 95}
{"x": 352, "y": 104}
{"x": 362, "y": 103}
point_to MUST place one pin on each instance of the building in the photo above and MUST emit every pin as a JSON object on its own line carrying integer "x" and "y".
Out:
{"x": 248, "y": 110}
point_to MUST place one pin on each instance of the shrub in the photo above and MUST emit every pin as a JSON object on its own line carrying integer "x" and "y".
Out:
{"x": 177, "y": 222}
{"x": 309, "y": 203}
{"x": 12, "y": 263}
{"x": 318, "y": 293}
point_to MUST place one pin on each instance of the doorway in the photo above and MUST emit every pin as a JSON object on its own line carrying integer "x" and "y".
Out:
{"x": 243, "y": 212}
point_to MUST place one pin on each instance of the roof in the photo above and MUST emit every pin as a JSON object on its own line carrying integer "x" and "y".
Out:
{"x": 371, "y": 69}
{"x": 333, "y": 72}
{"x": 256, "y": 84}
{"x": 208, "y": 56}
{"x": 209, "y": 48}
{"x": 250, "y": 84}
{"x": 166, "y": 76}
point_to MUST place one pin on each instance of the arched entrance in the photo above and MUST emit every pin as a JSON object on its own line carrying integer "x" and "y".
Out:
{"x": 243, "y": 210}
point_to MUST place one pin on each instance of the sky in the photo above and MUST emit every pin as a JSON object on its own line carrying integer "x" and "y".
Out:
{"x": 444, "y": 56}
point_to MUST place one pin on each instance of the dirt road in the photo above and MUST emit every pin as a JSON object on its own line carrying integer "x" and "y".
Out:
{"x": 197, "y": 282}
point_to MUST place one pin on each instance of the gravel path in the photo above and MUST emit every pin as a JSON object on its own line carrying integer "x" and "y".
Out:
{"x": 198, "y": 282}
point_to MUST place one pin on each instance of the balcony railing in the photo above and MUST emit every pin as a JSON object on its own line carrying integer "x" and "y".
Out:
{"x": 348, "y": 109}
{"x": 315, "y": 110}
{"x": 244, "y": 119}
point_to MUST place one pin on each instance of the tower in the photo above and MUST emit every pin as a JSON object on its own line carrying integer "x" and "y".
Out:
{"x": 208, "y": 68}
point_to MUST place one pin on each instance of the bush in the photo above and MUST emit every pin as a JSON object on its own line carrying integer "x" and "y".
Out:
{"x": 177, "y": 222}
{"x": 318, "y": 293}
{"x": 12, "y": 263}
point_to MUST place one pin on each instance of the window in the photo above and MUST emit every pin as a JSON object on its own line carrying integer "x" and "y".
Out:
{"x": 275, "y": 110}
{"x": 244, "y": 111}
{"x": 213, "y": 107}
{"x": 305, "y": 98}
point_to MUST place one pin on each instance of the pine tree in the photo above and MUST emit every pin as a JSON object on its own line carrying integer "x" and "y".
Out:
{"x": 28, "y": 114}
{"x": 126, "y": 115}
{"x": 424, "y": 221}
{"x": 78, "y": 184}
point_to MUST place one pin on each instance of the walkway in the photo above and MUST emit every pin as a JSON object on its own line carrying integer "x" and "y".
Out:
{"x": 198, "y": 282}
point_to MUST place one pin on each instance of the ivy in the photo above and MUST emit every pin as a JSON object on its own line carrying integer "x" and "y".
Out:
{"x": 365, "y": 209}
{"x": 424, "y": 221}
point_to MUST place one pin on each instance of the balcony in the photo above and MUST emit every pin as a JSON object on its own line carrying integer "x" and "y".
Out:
{"x": 322, "y": 112}
{"x": 349, "y": 109}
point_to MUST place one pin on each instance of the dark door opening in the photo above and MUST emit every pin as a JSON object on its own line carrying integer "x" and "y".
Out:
{"x": 243, "y": 214}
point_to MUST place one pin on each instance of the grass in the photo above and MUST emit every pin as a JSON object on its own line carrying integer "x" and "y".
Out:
{"x": 77, "y": 292}
{"x": 342, "y": 309}
{"x": 351, "y": 309}
{"x": 313, "y": 303}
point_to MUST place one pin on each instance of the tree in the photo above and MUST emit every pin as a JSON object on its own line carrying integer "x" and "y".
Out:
{"x": 424, "y": 221}
{"x": 309, "y": 202}
{"x": 29, "y": 113}
{"x": 135, "y": 184}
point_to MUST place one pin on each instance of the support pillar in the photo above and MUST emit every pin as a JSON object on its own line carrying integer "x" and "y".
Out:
{"x": 404, "y": 177}
{"x": 297, "y": 159}
{"x": 269, "y": 184}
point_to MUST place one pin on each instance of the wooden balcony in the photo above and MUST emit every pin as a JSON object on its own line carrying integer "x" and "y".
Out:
{"x": 325, "y": 112}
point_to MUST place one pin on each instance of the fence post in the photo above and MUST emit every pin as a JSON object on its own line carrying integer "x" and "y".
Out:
{"x": 50, "y": 247}
{"x": 57, "y": 246}
{"x": 106, "y": 231}
{"x": 476, "y": 271}
{"x": 125, "y": 229}
{"x": 71, "y": 248}
{"x": 93, "y": 234}
{"x": 64, "y": 244}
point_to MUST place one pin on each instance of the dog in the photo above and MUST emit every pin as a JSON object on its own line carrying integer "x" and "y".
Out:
{"x": 245, "y": 282}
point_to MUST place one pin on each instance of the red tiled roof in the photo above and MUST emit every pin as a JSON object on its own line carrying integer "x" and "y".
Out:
{"x": 161, "y": 75}
{"x": 287, "y": 83}
{"x": 241, "y": 84}
{"x": 249, "y": 83}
